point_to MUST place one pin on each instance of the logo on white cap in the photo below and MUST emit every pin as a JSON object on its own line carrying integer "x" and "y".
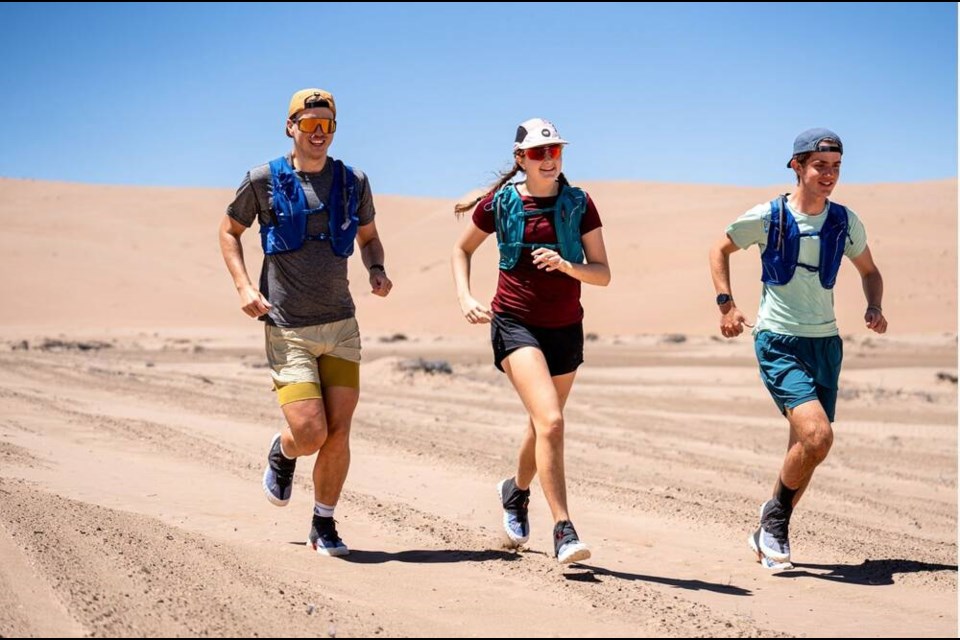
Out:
{"x": 536, "y": 132}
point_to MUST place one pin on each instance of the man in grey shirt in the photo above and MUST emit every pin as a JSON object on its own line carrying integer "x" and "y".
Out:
{"x": 311, "y": 209}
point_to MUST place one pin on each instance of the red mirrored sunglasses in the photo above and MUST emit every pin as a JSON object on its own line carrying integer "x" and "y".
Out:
{"x": 540, "y": 153}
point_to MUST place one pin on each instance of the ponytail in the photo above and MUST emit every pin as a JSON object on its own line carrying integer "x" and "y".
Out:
{"x": 504, "y": 178}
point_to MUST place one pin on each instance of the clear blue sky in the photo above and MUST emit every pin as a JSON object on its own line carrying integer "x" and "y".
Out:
{"x": 429, "y": 97}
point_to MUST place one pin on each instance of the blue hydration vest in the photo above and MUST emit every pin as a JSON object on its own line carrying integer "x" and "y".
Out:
{"x": 289, "y": 229}
{"x": 782, "y": 255}
{"x": 511, "y": 222}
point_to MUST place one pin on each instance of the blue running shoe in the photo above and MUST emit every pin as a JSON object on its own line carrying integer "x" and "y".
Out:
{"x": 567, "y": 545}
{"x": 278, "y": 476}
{"x": 516, "y": 524}
{"x": 324, "y": 538}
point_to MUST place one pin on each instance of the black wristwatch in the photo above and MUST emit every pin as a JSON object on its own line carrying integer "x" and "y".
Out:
{"x": 723, "y": 299}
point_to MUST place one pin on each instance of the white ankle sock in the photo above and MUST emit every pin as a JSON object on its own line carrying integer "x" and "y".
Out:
{"x": 323, "y": 510}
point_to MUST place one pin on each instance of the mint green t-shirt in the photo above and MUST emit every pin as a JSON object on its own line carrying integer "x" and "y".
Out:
{"x": 802, "y": 307}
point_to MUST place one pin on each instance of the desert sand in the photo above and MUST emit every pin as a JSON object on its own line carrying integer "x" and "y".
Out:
{"x": 136, "y": 409}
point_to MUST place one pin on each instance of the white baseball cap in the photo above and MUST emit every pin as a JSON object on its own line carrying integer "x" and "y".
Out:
{"x": 536, "y": 132}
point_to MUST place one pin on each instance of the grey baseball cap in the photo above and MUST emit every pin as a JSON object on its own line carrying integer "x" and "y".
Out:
{"x": 811, "y": 139}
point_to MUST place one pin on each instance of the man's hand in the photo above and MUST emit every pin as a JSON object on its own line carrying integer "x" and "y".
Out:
{"x": 379, "y": 282}
{"x": 253, "y": 303}
{"x": 732, "y": 322}
{"x": 875, "y": 320}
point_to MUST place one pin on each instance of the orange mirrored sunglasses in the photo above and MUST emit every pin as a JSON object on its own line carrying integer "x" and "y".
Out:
{"x": 540, "y": 153}
{"x": 309, "y": 125}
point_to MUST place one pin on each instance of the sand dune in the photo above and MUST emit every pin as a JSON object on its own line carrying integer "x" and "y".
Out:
{"x": 91, "y": 258}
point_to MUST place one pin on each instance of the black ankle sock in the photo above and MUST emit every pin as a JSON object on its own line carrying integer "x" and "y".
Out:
{"x": 785, "y": 495}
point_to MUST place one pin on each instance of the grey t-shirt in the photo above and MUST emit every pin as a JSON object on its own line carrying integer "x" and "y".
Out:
{"x": 308, "y": 286}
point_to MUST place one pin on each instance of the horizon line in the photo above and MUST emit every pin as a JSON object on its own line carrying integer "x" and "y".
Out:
{"x": 474, "y": 189}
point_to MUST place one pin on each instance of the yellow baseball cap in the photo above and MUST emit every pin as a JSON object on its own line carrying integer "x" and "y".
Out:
{"x": 310, "y": 98}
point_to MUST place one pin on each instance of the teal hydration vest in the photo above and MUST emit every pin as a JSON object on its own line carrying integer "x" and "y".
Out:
{"x": 288, "y": 231}
{"x": 782, "y": 255}
{"x": 511, "y": 221}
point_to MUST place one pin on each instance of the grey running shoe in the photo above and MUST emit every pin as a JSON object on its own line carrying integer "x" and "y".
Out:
{"x": 567, "y": 545}
{"x": 278, "y": 476}
{"x": 772, "y": 537}
{"x": 516, "y": 523}
{"x": 324, "y": 538}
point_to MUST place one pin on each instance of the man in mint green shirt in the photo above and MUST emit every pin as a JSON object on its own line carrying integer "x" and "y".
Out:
{"x": 802, "y": 238}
